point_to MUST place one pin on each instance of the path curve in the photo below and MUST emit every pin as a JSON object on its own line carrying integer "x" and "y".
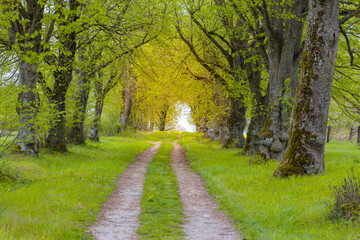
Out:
{"x": 119, "y": 217}
{"x": 203, "y": 219}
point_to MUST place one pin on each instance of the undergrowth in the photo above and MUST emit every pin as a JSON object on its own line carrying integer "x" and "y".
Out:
{"x": 346, "y": 198}
{"x": 161, "y": 214}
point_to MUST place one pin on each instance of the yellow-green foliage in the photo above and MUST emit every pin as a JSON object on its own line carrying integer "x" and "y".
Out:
{"x": 266, "y": 207}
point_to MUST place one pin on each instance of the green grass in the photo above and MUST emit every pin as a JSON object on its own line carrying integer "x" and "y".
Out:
{"x": 266, "y": 207}
{"x": 153, "y": 136}
{"x": 57, "y": 196}
{"x": 161, "y": 214}
{"x": 171, "y": 137}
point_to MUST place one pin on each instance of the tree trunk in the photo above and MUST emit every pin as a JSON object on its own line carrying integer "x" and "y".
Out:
{"x": 162, "y": 120}
{"x": 152, "y": 125}
{"x": 28, "y": 109}
{"x": 258, "y": 113}
{"x": 127, "y": 95}
{"x": 351, "y": 133}
{"x": 305, "y": 154}
{"x": 358, "y": 136}
{"x": 77, "y": 134}
{"x": 28, "y": 44}
{"x": 56, "y": 140}
{"x": 95, "y": 129}
{"x": 328, "y": 134}
{"x": 284, "y": 53}
{"x": 223, "y": 132}
{"x": 236, "y": 123}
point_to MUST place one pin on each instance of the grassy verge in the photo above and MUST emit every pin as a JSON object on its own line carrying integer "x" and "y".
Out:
{"x": 57, "y": 196}
{"x": 161, "y": 212}
{"x": 265, "y": 207}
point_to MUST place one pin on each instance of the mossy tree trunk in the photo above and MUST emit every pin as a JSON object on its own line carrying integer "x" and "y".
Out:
{"x": 28, "y": 109}
{"x": 28, "y": 31}
{"x": 258, "y": 113}
{"x": 284, "y": 54}
{"x": 77, "y": 134}
{"x": 63, "y": 76}
{"x": 305, "y": 154}
{"x": 236, "y": 123}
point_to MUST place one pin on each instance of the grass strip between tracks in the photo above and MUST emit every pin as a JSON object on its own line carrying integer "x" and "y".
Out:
{"x": 161, "y": 214}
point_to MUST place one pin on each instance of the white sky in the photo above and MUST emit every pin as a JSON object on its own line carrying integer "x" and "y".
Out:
{"x": 183, "y": 123}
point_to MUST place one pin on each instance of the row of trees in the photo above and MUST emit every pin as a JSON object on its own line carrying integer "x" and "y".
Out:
{"x": 61, "y": 50}
{"x": 265, "y": 60}
{"x": 242, "y": 66}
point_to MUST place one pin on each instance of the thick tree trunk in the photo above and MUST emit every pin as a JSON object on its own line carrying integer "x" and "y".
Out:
{"x": 77, "y": 134}
{"x": 236, "y": 123}
{"x": 305, "y": 154}
{"x": 328, "y": 137}
{"x": 201, "y": 127}
{"x": 162, "y": 120}
{"x": 28, "y": 47}
{"x": 284, "y": 52}
{"x": 258, "y": 113}
{"x": 56, "y": 139}
{"x": 28, "y": 109}
{"x": 224, "y": 132}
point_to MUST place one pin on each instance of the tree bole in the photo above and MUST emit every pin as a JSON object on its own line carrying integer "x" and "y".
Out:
{"x": 305, "y": 154}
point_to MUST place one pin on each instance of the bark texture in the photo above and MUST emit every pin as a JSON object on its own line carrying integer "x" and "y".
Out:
{"x": 258, "y": 111}
{"x": 29, "y": 44}
{"x": 305, "y": 154}
{"x": 358, "y": 136}
{"x": 127, "y": 96}
{"x": 28, "y": 109}
{"x": 77, "y": 134}
{"x": 236, "y": 123}
{"x": 284, "y": 54}
{"x": 63, "y": 76}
